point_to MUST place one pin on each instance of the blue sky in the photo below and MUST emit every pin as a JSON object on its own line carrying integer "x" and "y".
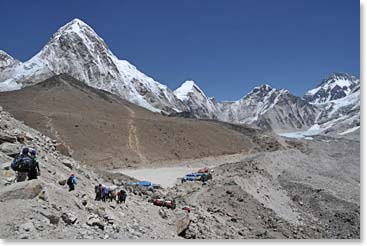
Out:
{"x": 227, "y": 47}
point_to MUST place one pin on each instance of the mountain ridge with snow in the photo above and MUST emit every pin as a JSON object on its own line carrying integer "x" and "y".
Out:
{"x": 77, "y": 50}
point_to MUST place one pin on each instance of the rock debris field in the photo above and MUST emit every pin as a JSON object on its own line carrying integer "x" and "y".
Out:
{"x": 303, "y": 189}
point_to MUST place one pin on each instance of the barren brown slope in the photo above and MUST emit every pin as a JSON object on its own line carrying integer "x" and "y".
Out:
{"x": 101, "y": 128}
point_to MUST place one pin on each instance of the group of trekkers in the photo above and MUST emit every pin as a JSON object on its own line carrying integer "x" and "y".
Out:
{"x": 26, "y": 165}
{"x": 106, "y": 193}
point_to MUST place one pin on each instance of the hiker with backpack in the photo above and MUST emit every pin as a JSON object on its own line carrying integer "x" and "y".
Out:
{"x": 121, "y": 196}
{"x": 112, "y": 195}
{"x": 21, "y": 165}
{"x": 71, "y": 182}
{"x": 34, "y": 169}
{"x": 105, "y": 192}
{"x": 98, "y": 191}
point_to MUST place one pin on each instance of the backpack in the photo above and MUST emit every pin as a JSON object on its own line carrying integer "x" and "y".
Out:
{"x": 14, "y": 163}
{"x": 22, "y": 163}
{"x": 70, "y": 181}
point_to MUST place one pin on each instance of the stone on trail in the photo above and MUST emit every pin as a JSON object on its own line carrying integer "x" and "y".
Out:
{"x": 5, "y": 158}
{"x": 67, "y": 163}
{"x": 21, "y": 190}
{"x": 182, "y": 224}
{"x": 69, "y": 218}
{"x": 27, "y": 226}
{"x": 8, "y": 173}
{"x": 7, "y": 138}
{"x": 95, "y": 222}
{"x": 10, "y": 149}
{"x": 162, "y": 213}
{"x": 54, "y": 219}
{"x": 6, "y": 165}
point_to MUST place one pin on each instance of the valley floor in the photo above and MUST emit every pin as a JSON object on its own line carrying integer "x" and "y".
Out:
{"x": 309, "y": 190}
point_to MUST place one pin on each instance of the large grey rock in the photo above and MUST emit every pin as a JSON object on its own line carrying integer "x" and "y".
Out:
{"x": 10, "y": 149}
{"x": 162, "y": 213}
{"x": 27, "y": 227}
{"x": 93, "y": 221}
{"x": 69, "y": 218}
{"x": 6, "y": 165}
{"x": 7, "y": 138}
{"x": 182, "y": 224}
{"x": 68, "y": 163}
{"x": 53, "y": 218}
{"x": 22, "y": 190}
{"x": 4, "y": 158}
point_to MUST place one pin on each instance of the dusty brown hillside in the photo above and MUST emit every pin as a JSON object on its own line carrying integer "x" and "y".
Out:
{"x": 98, "y": 128}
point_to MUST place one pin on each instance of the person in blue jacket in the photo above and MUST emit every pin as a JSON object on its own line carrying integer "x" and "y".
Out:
{"x": 72, "y": 181}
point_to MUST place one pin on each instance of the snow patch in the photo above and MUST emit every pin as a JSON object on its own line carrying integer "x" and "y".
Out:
{"x": 312, "y": 131}
{"x": 350, "y": 130}
{"x": 187, "y": 87}
{"x": 9, "y": 85}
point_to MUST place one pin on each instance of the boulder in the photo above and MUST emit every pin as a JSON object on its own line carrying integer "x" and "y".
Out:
{"x": 53, "y": 218}
{"x": 6, "y": 165}
{"x": 69, "y": 218}
{"x": 91, "y": 208}
{"x": 10, "y": 149}
{"x": 21, "y": 138}
{"x": 95, "y": 222}
{"x": 182, "y": 224}
{"x": 63, "y": 149}
{"x": 67, "y": 163}
{"x": 162, "y": 213}
{"x": 27, "y": 227}
{"x": 8, "y": 173}
{"x": 4, "y": 158}
{"x": 7, "y": 138}
{"x": 10, "y": 180}
{"x": 62, "y": 182}
{"x": 43, "y": 195}
{"x": 22, "y": 190}
{"x": 29, "y": 136}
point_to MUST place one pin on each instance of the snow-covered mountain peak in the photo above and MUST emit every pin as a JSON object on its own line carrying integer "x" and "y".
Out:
{"x": 259, "y": 91}
{"x": 77, "y": 50}
{"x": 186, "y": 88}
{"x": 263, "y": 87}
{"x": 199, "y": 105}
{"x": 7, "y": 60}
{"x": 77, "y": 27}
{"x": 78, "y": 36}
{"x": 336, "y": 86}
{"x": 338, "y": 79}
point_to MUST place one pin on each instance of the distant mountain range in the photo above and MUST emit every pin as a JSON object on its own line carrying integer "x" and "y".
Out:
{"x": 75, "y": 49}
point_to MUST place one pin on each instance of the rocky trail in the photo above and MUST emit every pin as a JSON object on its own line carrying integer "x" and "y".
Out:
{"x": 44, "y": 209}
{"x": 302, "y": 189}
{"x": 133, "y": 141}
